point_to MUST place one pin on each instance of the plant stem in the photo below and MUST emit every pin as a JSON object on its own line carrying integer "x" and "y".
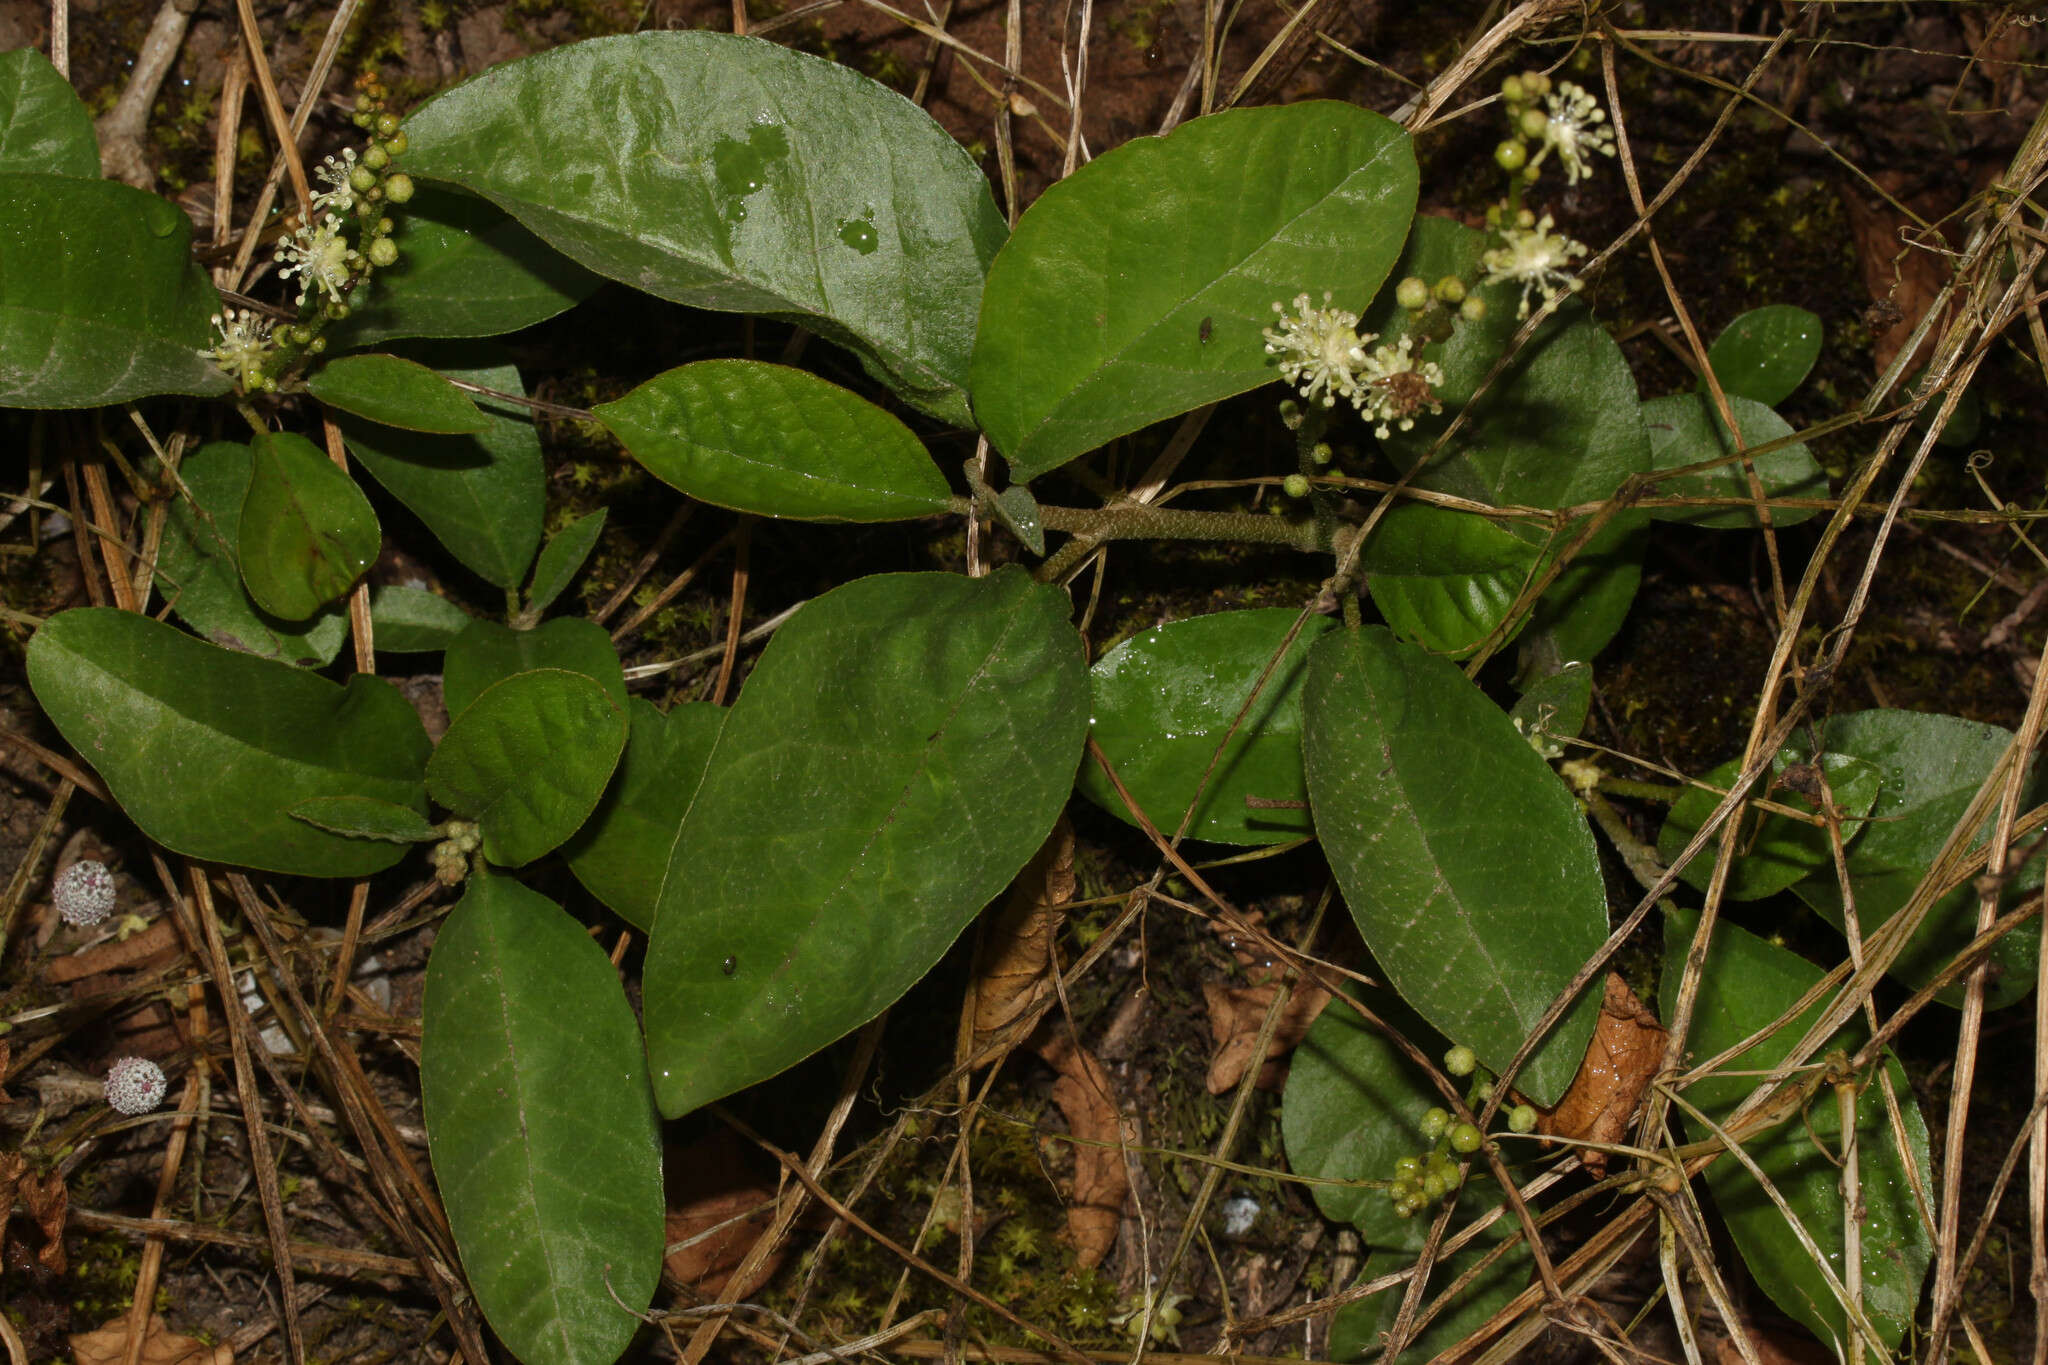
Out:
{"x": 1090, "y": 527}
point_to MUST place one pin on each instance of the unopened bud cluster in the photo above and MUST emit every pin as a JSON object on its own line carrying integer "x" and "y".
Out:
{"x": 451, "y": 856}
{"x": 1427, "y": 1176}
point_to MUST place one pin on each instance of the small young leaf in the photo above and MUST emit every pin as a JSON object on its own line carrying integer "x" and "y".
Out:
{"x": 366, "y": 817}
{"x": 1464, "y": 859}
{"x": 1445, "y": 578}
{"x": 100, "y": 301}
{"x": 1555, "y": 705}
{"x": 1748, "y": 983}
{"x": 621, "y": 853}
{"x": 1766, "y": 353}
{"x": 1163, "y": 702}
{"x": 207, "y": 750}
{"x": 1773, "y": 851}
{"x": 465, "y": 269}
{"x": 199, "y": 573}
{"x": 307, "y": 532}
{"x": 396, "y": 393}
{"x": 482, "y": 496}
{"x": 1684, "y": 429}
{"x": 487, "y": 653}
{"x": 901, "y": 749}
{"x": 777, "y": 442}
{"x": 1136, "y": 288}
{"x": 562, "y": 556}
{"x": 44, "y": 126}
{"x": 528, "y": 760}
{"x": 542, "y": 1131}
{"x": 413, "y": 620}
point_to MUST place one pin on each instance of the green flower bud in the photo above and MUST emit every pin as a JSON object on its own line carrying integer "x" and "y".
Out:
{"x": 383, "y": 252}
{"x": 1525, "y": 220}
{"x": 375, "y": 157}
{"x": 398, "y": 188}
{"x": 1473, "y": 308}
{"x": 1407, "y": 1168}
{"x": 319, "y": 344}
{"x": 362, "y": 180}
{"x": 1434, "y": 1122}
{"x": 1450, "y": 289}
{"x": 384, "y": 227}
{"x": 1412, "y": 293}
{"x": 1522, "y": 1118}
{"x": 1434, "y": 1186}
{"x": 1511, "y": 156}
{"x": 397, "y": 143}
{"x": 338, "y": 312}
{"x": 1295, "y": 485}
{"x": 1320, "y": 453}
{"x": 1512, "y": 91}
{"x": 1536, "y": 83}
{"x": 1532, "y": 123}
{"x": 1493, "y": 215}
{"x": 387, "y": 125}
{"x": 1290, "y": 414}
{"x": 1460, "y": 1060}
{"x": 1464, "y": 1138}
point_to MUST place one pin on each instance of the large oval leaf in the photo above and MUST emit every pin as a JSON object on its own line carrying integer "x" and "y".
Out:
{"x": 483, "y": 496}
{"x": 541, "y": 1126}
{"x": 44, "y": 127}
{"x": 486, "y": 653}
{"x": 207, "y": 750}
{"x": 622, "y": 850}
{"x": 1930, "y": 766}
{"x": 99, "y": 299}
{"x": 199, "y": 570}
{"x": 1137, "y": 287}
{"x": 307, "y": 532}
{"x": 900, "y": 751}
{"x": 1748, "y": 983}
{"x": 465, "y": 269}
{"x": 396, "y": 392}
{"x": 776, "y": 441}
{"x": 1464, "y": 859}
{"x": 730, "y": 173}
{"x": 528, "y": 760}
{"x": 1445, "y": 578}
{"x": 1773, "y": 851}
{"x": 1685, "y": 429}
{"x": 1163, "y": 702}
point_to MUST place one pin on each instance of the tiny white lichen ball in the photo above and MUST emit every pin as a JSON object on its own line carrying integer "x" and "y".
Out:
{"x": 84, "y": 893}
{"x": 135, "y": 1085}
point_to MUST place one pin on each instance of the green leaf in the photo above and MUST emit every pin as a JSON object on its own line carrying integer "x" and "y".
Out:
{"x": 99, "y": 299}
{"x": 482, "y": 496}
{"x": 307, "y": 532}
{"x": 730, "y": 173}
{"x": 902, "y": 748}
{"x": 544, "y": 1139}
{"x": 207, "y": 750}
{"x": 199, "y": 572}
{"x": 366, "y": 817}
{"x": 1358, "y": 1329}
{"x": 777, "y": 442}
{"x": 397, "y": 393}
{"x": 1554, "y": 707}
{"x": 1445, "y": 578}
{"x": 1931, "y": 767}
{"x": 562, "y": 556}
{"x": 1163, "y": 702}
{"x": 1773, "y": 851}
{"x": 528, "y": 760}
{"x": 1748, "y": 983}
{"x": 465, "y": 269}
{"x": 44, "y": 126}
{"x": 413, "y": 620}
{"x": 487, "y": 653}
{"x": 1766, "y": 353}
{"x": 1464, "y": 859}
{"x": 1684, "y": 429}
{"x": 621, "y": 853}
{"x": 1136, "y": 288}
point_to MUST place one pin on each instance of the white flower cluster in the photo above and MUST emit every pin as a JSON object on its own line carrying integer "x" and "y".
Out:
{"x": 1577, "y": 129}
{"x": 243, "y": 349}
{"x": 337, "y": 173}
{"x": 1323, "y": 354}
{"x": 135, "y": 1085}
{"x": 83, "y": 893}
{"x": 320, "y": 257}
{"x": 1536, "y": 258}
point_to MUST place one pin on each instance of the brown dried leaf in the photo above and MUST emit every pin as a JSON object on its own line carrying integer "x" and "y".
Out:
{"x": 1773, "y": 1347}
{"x": 1100, "y": 1181}
{"x": 1014, "y": 966}
{"x": 46, "y": 1201}
{"x": 1903, "y": 266}
{"x": 12, "y": 1164}
{"x": 711, "y": 1186}
{"x": 6, "y": 1056}
{"x": 108, "y": 1345}
{"x": 1238, "y": 1013}
{"x": 1627, "y": 1049}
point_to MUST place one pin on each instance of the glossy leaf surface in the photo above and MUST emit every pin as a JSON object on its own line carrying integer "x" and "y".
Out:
{"x": 1463, "y": 858}
{"x": 731, "y": 173}
{"x": 562, "y": 556}
{"x": 465, "y": 269}
{"x": 1136, "y": 288}
{"x": 487, "y": 653}
{"x": 482, "y": 496}
{"x": 1747, "y": 984}
{"x": 396, "y": 392}
{"x": 621, "y": 853}
{"x": 44, "y": 127}
{"x": 528, "y": 760}
{"x": 200, "y": 575}
{"x": 1684, "y": 429}
{"x": 1164, "y": 700}
{"x": 1445, "y": 578}
{"x": 207, "y": 750}
{"x": 413, "y": 620}
{"x": 541, "y": 1126}
{"x": 1773, "y": 851}
{"x": 307, "y": 532}
{"x": 101, "y": 316}
{"x": 1930, "y": 767}
{"x": 366, "y": 817}
{"x": 901, "y": 749}
{"x": 776, "y": 441}
{"x": 1765, "y": 354}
